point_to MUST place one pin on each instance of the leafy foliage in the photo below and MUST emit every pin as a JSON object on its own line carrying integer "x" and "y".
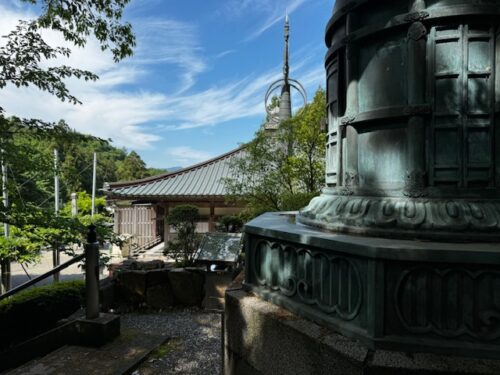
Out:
{"x": 183, "y": 219}
{"x": 230, "y": 224}
{"x": 84, "y": 205}
{"x": 30, "y": 161}
{"x": 131, "y": 168}
{"x": 282, "y": 171}
{"x": 37, "y": 310}
{"x": 24, "y": 57}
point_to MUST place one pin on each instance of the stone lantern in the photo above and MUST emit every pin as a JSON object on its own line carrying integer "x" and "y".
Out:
{"x": 401, "y": 250}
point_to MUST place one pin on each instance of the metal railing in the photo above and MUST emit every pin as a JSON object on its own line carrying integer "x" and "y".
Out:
{"x": 37, "y": 279}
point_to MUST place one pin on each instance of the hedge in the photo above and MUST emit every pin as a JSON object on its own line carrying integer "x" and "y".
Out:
{"x": 37, "y": 310}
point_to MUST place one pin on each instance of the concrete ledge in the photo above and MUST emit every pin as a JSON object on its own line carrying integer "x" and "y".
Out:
{"x": 262, "y": 338}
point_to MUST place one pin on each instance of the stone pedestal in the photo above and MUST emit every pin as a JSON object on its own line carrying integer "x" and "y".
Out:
{"x": 99, "y": 331}
{"x": 265, "y": 339}
{"x": 387, "y": 294}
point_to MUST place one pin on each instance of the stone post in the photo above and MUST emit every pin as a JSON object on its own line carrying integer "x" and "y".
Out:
{"x": 92, "y": 274}
{"x": 74, "y": 204}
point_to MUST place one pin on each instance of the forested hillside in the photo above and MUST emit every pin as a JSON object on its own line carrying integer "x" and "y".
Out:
{"x": 32, "y": 168}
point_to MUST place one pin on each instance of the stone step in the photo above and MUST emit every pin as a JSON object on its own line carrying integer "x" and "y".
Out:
{"x": 121, "y": 356}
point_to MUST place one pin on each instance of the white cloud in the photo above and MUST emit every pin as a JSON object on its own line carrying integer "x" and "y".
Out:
{"x": 242, "y": 98}
{"x": 276, "y": 16}
{"x": 185, "y": 156}
{"x": 225, "y": 53}
{"x": 108, "y": 111}
{"x": 135, "y": 119}
{"x": 272, "y": 12}
{"x": 170, "y": 42}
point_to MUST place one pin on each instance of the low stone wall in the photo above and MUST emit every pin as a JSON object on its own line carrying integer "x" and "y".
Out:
{"x": 153, "y": 285}
{"x": 264, "y": 339}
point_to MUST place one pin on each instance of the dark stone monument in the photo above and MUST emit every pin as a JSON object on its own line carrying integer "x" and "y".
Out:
{"x": 401, "y": 251}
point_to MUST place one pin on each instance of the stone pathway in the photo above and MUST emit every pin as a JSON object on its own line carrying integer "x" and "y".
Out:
{"x": 184, "y": 342}
{"x": 194, "y": 345}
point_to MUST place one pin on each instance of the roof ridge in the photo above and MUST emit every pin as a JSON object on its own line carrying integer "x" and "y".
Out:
{"x": 178, "y": 172}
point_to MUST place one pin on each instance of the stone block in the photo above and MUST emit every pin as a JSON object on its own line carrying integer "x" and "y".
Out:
{"x": 188, "y": 287}
{"x": 107, "y": 294}
{"x": 157, "y": 277}
{"x": 97, "y": 332}
{"x": 147, "y": 265}
{"x": 234, "y": 364}
{"x": 160, "y": 296}
{"x": 133, "y": 285}
{"x": 390, "y": 362}
{"x": 264, "y": 339}
{"x": 257, "y": 330}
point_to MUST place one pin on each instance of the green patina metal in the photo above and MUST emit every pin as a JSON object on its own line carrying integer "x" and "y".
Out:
{"x": 389, "y": 294}
{"x": 413, "y": 153}
{"x": 414, "y": 141}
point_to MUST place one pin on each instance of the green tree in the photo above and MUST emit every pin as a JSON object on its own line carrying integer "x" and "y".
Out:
{"x": 25, "y": 60}
{"x": 155, "y": 171}
{"x": 132, "y": 168}
{"x": 32, "y": 168}
{"x": 84, "y": 205}
{"x": 24, "y": 57}
{"x": 230, "y": 224}
{"x": 183, "y": 220}
{"x": 282, "y": 171}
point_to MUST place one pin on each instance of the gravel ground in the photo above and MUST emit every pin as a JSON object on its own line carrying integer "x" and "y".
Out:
{"x": 193, "y": 346}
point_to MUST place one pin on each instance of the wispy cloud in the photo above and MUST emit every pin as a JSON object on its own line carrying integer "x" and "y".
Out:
{"x": 185, "y": 155}
{"x": 138, "y": 119}
{"x": 238, "y": 99}
{"x": 108, "y": 111}
{"x": 170, "y": 42}
{"x": 276, "y": 16}
{"x": 225, "y": 53}
{"x": 270, "y": 12}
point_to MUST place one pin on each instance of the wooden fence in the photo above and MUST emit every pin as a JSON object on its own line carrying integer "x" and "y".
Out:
{"x": 140, "y": 221}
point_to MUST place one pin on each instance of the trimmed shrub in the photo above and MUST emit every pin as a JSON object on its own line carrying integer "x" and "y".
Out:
{"x": 34, "y": 311}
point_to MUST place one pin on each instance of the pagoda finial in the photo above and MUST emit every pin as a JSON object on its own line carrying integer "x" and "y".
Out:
{"x": 285, "y": 84}
{"x": 286, "y": 63}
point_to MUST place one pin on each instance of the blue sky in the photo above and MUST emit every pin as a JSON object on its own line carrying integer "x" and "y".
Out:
{"x": 195, "y": 86}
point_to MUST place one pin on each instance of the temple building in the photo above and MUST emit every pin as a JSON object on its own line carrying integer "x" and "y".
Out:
{"x": 140, "y": 206}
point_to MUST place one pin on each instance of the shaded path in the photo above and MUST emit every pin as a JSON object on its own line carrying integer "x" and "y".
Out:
{"x": 194, "y": 345}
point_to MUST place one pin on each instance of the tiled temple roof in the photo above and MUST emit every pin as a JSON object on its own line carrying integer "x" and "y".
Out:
{"x": 201, "y": 180}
